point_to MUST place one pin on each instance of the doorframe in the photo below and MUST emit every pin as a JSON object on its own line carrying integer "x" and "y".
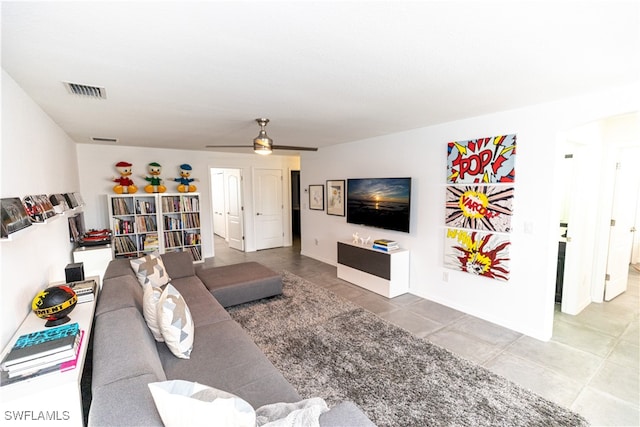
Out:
{"x": 225, "y": 196}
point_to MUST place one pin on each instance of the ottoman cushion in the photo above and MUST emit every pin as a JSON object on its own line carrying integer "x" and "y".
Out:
{"x": 240, "y": 283}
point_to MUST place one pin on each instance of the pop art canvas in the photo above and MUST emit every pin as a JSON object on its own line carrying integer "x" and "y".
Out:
{"x": 479, "y": 253}
{"x": 482, "y": 161}
{"x": 480, "y": 207}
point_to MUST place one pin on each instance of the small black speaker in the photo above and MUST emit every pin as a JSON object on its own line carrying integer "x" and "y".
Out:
{"x": 74, "y": 272}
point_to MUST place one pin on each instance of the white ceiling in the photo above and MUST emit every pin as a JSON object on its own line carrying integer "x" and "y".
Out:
{"x": 188, "y": 74}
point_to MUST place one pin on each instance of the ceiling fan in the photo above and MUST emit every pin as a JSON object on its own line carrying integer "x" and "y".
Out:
{"x": 262, "y": 144}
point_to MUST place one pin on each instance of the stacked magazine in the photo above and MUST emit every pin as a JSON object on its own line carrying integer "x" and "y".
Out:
{"x": 85, "y": 290}
{"x": 40, "y": 352}
{"x": 385, "y": 245}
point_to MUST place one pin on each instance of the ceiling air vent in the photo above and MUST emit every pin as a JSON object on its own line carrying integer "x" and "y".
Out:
{"x": 97, "y": 139}
{"x": 85, "y": 90}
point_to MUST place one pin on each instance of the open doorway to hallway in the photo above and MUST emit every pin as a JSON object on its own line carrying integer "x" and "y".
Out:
{"x": 600, "y": 211}
{"x": 296, "y": 229}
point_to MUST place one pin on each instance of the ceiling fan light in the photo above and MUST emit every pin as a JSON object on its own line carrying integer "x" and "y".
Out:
{"x": 262, "y": 144}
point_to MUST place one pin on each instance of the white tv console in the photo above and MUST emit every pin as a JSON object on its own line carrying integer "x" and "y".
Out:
{"x": 385, "y": 273}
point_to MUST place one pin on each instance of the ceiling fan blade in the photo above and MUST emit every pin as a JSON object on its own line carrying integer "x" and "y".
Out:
{"x": 292, "y": 147}
{"x": 229, "y": 146}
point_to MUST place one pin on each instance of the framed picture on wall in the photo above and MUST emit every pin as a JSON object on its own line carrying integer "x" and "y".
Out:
{"x": 335, "y": 197}
{"x": 316, "y": 197}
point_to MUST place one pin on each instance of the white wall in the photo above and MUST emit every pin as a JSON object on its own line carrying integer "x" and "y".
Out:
{"x": 525, "y": 303}
{"x": 37, "y": 158}
{"x": 97, "y": 167}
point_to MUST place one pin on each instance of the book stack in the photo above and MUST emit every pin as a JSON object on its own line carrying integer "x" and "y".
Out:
{"x": 385, "y": 245}
{"x": 40, "y": 352}
{"x": 84, "y": 289}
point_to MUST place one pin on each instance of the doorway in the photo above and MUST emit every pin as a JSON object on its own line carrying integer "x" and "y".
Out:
{"x": 227, "y": 206}
{"x": 597, "y": 245}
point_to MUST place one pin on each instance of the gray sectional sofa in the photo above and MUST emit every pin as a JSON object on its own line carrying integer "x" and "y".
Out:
{"x": 126, "y": 358}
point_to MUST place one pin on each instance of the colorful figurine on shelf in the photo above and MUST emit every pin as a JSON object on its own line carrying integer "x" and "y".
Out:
{"x": 155, "y": 182}
{"x": 125, "y": 184}
{"x": 185, "y": 180}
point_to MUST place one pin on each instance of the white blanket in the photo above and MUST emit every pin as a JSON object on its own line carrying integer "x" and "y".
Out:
{"x": 305, "y": 413}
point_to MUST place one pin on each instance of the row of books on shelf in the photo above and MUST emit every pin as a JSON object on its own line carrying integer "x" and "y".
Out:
{"x": 196, "y": 254}
{"x": 55, "y": 349}
{"x": 191, "y": 220}
{"x": 120, "y": 206}
{"x": 149, "y": 242}
{"x": 123, "y": 244}
{"x": 192, "y": 239}
{"x": 190, "y": 204}
{"x": 145, "y": 207}
{"x": 170, "y": 203}
{"x": 385, "y": 245}
{"x": 123, "y": 226}
{"x": 171, "y": 223}
{"x": 18, "y": 214}
{"x": 177, "y": 204}
{"x": 172, "y": 239}
{"x": 146, "y": 223}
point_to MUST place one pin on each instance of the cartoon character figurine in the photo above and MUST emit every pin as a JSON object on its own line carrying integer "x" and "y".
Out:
{"x": 184, "y": 180}
{"x": 125, "y": 184}
{"x": 155, "y": 182}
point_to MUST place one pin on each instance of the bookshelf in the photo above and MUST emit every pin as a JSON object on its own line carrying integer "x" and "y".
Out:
{"x": 165, "y": 222}
{"x": 180, "y": 217}
{"x": 134, "y": 224}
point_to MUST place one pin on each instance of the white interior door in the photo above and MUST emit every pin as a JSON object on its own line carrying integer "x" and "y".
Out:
{"x": 621, "y": 233}
{"x": 576, "y": 284}
{"x": 218, "y": 203}
{"x": 268, "y": 208}
{"x": 235, "y": 225}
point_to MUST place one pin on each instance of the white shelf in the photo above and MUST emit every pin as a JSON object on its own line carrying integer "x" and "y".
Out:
{"x": 57, "y": 393}
{"x": 180, "y": 212}
{"x": 385, "y": 273}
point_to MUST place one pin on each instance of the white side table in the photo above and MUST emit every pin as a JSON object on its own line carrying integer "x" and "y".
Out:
{"x": 54, "y": 398}
{"x": 94, "y": 259}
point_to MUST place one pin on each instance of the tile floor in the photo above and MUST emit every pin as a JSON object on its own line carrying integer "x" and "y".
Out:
{"x": 591, "y": 364}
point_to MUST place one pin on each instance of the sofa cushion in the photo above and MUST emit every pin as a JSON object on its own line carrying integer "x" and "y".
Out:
{"x": 117, "y": 268}
{"x": 119, "y": 292}
{"x": 150, "y": 269}
{"x": 123, "y": 348}
{"x": 184, "y": 403}
{"x": 226, "y": 358}
{"x": 203, "y": 306}
{"x": 127, "y": 402}
{"x": 175, "y": 322}
{"x": 178, "y": 264}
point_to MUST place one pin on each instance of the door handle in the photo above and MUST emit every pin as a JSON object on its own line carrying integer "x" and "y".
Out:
{"x": 258, "y": 213}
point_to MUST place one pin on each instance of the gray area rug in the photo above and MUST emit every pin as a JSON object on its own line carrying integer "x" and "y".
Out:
{"x": 328, "y": 347}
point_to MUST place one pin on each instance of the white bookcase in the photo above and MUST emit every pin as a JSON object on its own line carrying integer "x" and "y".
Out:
{"x": 166, "y": 222}
{"x": 180, "y": 218}
{"x": 134, "y": 224}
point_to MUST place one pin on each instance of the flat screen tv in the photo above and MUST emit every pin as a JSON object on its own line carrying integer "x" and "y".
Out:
{"x": 379, "y": 202}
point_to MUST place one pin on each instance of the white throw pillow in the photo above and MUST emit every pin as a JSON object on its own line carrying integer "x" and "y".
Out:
{"x": 184, "y": 403}
{"x": 150, "y": 300}
{"x": 175, "y": 322}
{"x": 150, "y": 269}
